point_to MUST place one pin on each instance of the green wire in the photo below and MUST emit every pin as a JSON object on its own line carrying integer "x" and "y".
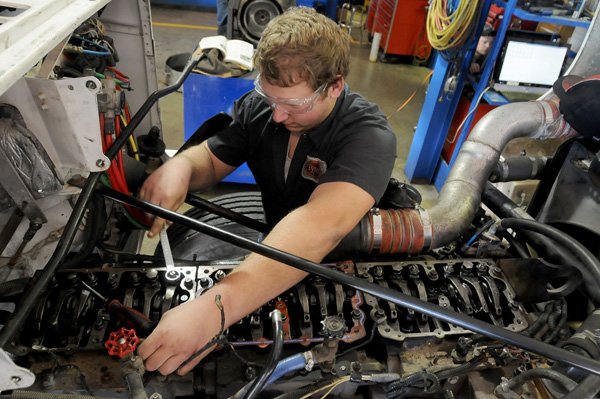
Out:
{"x": 135, "y": 222}
{"x": 117, "y": 81}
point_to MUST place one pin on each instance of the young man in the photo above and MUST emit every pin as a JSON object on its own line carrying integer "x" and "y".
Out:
{"x": 484, "y": 44}
{"x": 321, "y": 155}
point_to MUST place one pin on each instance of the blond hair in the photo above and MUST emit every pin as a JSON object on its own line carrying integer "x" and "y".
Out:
{"x": 303, "y": 45}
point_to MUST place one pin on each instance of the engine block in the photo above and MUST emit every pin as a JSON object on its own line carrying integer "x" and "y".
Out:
{"x": 71, "y": 316}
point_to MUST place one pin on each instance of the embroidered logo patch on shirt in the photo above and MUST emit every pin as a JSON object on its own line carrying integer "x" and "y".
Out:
{"x": 313, "y": 168}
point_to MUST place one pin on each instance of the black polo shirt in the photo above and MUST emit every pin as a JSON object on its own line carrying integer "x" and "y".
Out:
{"x": 355, "y": 144}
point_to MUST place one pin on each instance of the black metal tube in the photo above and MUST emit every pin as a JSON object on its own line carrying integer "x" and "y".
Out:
{"x": 72, "y": 226}
{"x": 384, "y": 293}
{"x": 276, "y": 350}
{"x": 27, "y": 303}
{"x": 206, "y": 205}
{"x": 150, "y": 101}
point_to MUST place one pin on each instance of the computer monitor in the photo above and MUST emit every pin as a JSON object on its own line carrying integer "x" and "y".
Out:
{"x": 529, "y": 66}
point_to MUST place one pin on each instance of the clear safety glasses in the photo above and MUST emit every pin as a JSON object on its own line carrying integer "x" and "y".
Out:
{"x": 292, "y": 106}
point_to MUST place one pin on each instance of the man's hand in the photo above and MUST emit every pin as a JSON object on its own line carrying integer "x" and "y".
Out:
{"x": 167, "y": 187}
{"x": 181, "y": 332}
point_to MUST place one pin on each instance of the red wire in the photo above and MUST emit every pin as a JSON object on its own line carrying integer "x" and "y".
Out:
{"x": 127, "y": 113}
{"x": 119, "y": 75}
{"x": 101, "y": 117}
{"x": 120, "y": 168}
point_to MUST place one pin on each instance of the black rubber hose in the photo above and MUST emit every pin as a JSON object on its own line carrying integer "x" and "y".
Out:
{"x": 519, "y": 249}
{"x": 72, "y": 226}
{"x": 276, "y": 350}
{"x": 519, "y": 168}
{"x": 540, "y": 322}
{"x": 561, "y": 323}
{"x": 546, "y": 374}
{"x": 397, "y": 389}
{"x": 385, "y": 293}
{"x": 587, "y": 389}
{"x": 502, "y": 206}
{"x": 584, "y": 256}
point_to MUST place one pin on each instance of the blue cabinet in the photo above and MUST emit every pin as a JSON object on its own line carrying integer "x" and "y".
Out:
{"x": 205, "y": 96}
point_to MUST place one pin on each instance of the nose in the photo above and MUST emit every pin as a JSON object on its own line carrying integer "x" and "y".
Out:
{"x": 279, "y": 115}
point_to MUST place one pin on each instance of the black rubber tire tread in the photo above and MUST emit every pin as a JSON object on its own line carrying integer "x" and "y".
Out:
{"x": 182, "y": 239}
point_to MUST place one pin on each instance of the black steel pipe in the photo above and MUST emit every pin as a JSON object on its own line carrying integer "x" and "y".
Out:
{"x": 384, "y": 293}
{"x": 206, "y": 205}
{"x": 274, "y": 356}
{"x": 72, "y": 226}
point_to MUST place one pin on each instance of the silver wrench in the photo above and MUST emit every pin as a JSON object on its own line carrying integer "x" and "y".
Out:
{"x": 171, "y": 273}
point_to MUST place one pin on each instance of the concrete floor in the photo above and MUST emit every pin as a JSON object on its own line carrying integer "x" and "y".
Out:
{"x": 389, "y": 85}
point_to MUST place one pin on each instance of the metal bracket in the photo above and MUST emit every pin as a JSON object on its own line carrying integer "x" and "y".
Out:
{"x": 13, "y": 376}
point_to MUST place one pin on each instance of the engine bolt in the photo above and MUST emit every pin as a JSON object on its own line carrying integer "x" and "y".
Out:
{"x": 204, "y": 282}
{"x": 378, "y": 271}
{"x": 413, "y": 269}
{"x": 155, "y": 395}
{"x": 188, "y": 283}
{"x": 152, "y": 274}
{"x": 482, "y": 268}
{"x": 90, "y": 84}
{"x": 355, "y": 314}
{"x": 219, "y": 275}
{"x": 100, "y": 163}
{"x": 468, "y": 266}
{"x": 250, "y": 373}
{"x": 15, "y": 379}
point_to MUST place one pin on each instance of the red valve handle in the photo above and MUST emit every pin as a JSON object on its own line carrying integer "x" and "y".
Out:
{"x": 122, "y": 342}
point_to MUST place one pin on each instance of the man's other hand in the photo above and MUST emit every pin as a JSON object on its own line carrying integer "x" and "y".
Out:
{"x": 167, "y": 187}
{"x": 182, "y": 331}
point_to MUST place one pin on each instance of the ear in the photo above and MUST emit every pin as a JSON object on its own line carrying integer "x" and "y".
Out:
{"x": 336, "y": 88}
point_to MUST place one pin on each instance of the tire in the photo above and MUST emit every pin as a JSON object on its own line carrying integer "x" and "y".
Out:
{"x": 187, "y": 244}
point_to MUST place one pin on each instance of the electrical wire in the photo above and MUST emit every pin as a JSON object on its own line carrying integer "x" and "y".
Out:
{"x": 120, "y": 75}
{"x": 132, "y": 143}
{"x": 479, "y": 231}
{"x": 332, "y": 385}
{"x": 117, "y": 80}
{"x": 446, "y": 28}
{"x": 409, "y": 99}
{"x": 116, "y": 174}
{"x": 459, "y": 128}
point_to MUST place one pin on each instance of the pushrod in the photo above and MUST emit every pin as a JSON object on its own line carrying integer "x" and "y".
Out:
{"x": 384, "y": 293}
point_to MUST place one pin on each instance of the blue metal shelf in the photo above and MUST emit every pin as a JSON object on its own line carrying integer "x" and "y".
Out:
{"x": 528, "y": 16}
{"x": 424, "y": 162}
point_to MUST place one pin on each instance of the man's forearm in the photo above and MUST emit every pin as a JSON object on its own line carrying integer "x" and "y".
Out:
{"x": 259, "y": 279}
